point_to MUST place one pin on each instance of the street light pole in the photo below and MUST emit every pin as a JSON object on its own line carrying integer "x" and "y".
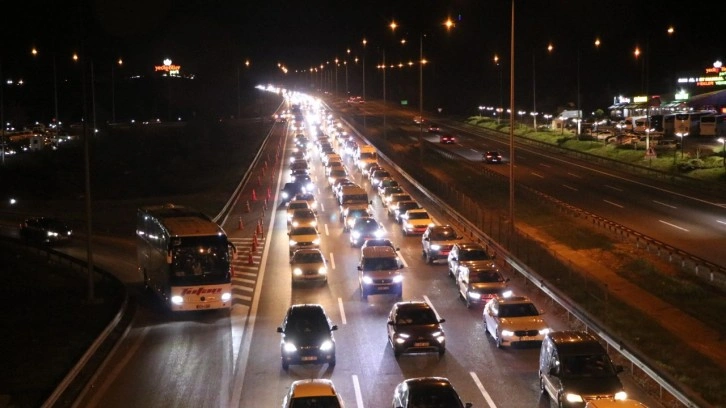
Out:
{"x": 420, "y": 97}
{"x": 336, "y": 76}
{"x": 511, "y": 128}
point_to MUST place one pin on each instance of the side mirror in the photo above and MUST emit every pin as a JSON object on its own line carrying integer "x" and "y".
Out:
{"x": 426, "y": 239}
{"x": 453, "y": 258}
{"x": 398, "y": 249}
{"x": 507, "y": 280}
{"x": 400, "y": 266}
{"x": 391, "y": 323}
{"x": 334, "y": 327}
{"x": 464, "y": 281}
{"x": 360, "y": 268}
{"x": 468, "y": 405}
{"x": 279, "y": 330}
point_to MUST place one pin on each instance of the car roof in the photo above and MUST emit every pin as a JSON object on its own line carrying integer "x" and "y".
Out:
{"x": 468, "y": 246}
{"x": 573, "y": 342}
{"x": 412, "y": 304}
{"x": 427, "y": 381}
{"x": 378, "y": 252}
{"x": 510, "y": 300}
{"x": 317, "y": 387}
{"x": 417, "y": 210}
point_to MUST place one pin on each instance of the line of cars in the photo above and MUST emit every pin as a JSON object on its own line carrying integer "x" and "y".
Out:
{"x": 415, "y": 327}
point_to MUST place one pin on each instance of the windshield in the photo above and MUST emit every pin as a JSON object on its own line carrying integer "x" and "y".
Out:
{"x": 298, "y": 206}
{"x": 379, "y": 264}
{"x": 355, "y": 198}
{"x": 418, "y": 216}
{"x": 366, "y": 225}
{"x": 438, "y": 397}
{"x": 315, "y": 402}
{"x": 518, "y": 310}
{"x": 597, "y": 365}
{"x": 304, "y": 215}
{"x": 308, "y": 257}
{"x": 400, "y": 197}
{"x": 485, "y": 276}
{"x": 357, "y": 213}
{"x": 442, "y": 234}
{"x": 393, "y": 190}
{"x": 199, "y": 259}
{"x": 473, "y": 255}
{"x": 416, "y": 316}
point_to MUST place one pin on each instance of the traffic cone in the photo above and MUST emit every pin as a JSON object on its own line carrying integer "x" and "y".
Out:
{"x": 262, "y": 235}
{"x": 268, "y": 193}
{"x": 254, "y": 195}
{"x": 259, "y": 229}
{"x": 250, "y": 261}
{"x": 254, "y": 243}
{"x": 241, "y": 224}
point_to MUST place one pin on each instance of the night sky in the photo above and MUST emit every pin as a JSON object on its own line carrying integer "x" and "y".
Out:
{"x": 212, "y": 39}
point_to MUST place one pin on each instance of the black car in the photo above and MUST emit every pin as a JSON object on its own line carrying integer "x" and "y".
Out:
{"x": 414, "y": 326}
{"x": 365, "y": 228}
{"x": 427, "y": 392}
{"x": 492, "y": 156}
{"x": 45, "y": 230}
{"x": 307, "y": 336}
{"x": 289, "y": 190}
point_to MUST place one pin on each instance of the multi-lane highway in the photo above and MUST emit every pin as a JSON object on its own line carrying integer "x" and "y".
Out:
{"x": 219, "y": 359}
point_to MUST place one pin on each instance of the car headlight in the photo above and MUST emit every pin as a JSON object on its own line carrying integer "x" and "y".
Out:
{"x": 398, "y": 279}
{"x": 544, "y": 331}
{"x": 573, "y": 397}
{"x": 475, "y": 295}
{"x": 367, "y": 280}
{"x": 356, "y": 234}
{"x": 314, "y": 223}
{"x": 351, "y": 222}
{"x": 226, "y": 296}
{"x": 289, "y": 347}
{"x": 507, "y": 293}
{"x": 285, "y": 195}
{"x": 409, "y": 225}
{"x": 322, "y": 270}
{"x": 297, "y": 271}
{"x": 379, "y": 233}
{"x": 388, "y": 199}
{"x": 620, "y": 396}
{"x": 52, "y": 234}
{"x": 293, "y": 242}
{"x": 326, "y": 346}
{"x": 435, "y": 247}
{"x": 289, "y": 217}
{"x": 431, "y": 224}
{"x": 507, "y": 333}
{"x": 295, "y": 223}
{"x": 316, "y": 241}
{"x": 177, "y": 300}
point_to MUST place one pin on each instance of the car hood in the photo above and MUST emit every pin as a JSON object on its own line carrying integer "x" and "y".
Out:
{"x": 602, "y": 386}
{"x": 422, "y": 330}
{"x": 487, "y": 287}
{"x": 313, "y": 266}
{"x": 522, "y": 323}
{"x": 444, "y": 242}
{"x": 479, "y": 264}
{"x": 304, "y": 237}
{"x": 301, "y": 339}
{"x": 420, "y": 221}
{"x": 381, "y": 273}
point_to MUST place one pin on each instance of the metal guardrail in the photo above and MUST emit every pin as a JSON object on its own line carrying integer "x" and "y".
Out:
{"x": 664, "y": 381}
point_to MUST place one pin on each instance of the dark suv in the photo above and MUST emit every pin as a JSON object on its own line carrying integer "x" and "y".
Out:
{"x": 307, "y": 336}
{"x": 414, "y": 326}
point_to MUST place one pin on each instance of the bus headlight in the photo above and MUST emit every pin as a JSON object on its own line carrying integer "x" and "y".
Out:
{"x": 177, "y": 300}
{"x": 573, "y": 397}
{"x": 226, "y": 296}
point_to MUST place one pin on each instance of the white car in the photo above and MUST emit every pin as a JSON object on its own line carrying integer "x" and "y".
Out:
{"x": 514, "y": 319}
{"x": 415, "y": 221}
{"x": 294, "y": 205}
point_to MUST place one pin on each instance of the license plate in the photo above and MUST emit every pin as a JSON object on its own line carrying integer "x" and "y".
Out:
{"x": 421, "y": 344}
{"x": 309, "y": 358}
{"x": 382, "y": 287}
{"x": 204, "y": 306}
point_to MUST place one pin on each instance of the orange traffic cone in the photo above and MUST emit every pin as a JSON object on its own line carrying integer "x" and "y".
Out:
{"x": 241, "y": 224}
{"x": 254, "y": 195}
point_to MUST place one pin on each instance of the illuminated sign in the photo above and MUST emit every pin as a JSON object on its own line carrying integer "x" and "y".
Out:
{"x": 640, "y": 99}
{"x": 168, "y": 67}
{"x": 682, "y": 95}
{"x": 715, "y": 76}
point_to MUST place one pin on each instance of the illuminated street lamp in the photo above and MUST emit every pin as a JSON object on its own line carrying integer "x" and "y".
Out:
{"x": 501, "y": 94}
{"x": 120, "y": 63}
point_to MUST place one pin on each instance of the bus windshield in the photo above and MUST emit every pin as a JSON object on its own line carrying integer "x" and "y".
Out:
{"x": 199, "y": 259}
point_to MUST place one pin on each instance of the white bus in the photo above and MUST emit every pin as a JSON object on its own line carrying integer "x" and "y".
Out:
{"x": 689, "y": 123}
{"x": 184, "y": 257}
{"x": 713, "y": 125}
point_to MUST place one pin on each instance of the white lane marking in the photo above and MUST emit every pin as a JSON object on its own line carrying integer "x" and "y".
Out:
{"x": 538, "y": 175}
{"x": 322, "y": 207}
{"x": 358, "y": 394}
{"x": 613, "y": 188}
{"x": 665, "y": 205}
{"x": 575, "y": 175}
{"x": 612, "y": 203}
{"x": 570, "y": 187}
{"x": 342, "y": 311}
{"x": 327, "y": 233}
{"x": 427, "y": 300}
{"x": 332, "y": 261}
{"x": 721, "y": 222}
{"x": 545, "y": 165}
{"x": 484, "y": 392}
{"x": 674, "y": 226}
{"x": 403, "y": 261}
{"x": 101, "y": 391}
